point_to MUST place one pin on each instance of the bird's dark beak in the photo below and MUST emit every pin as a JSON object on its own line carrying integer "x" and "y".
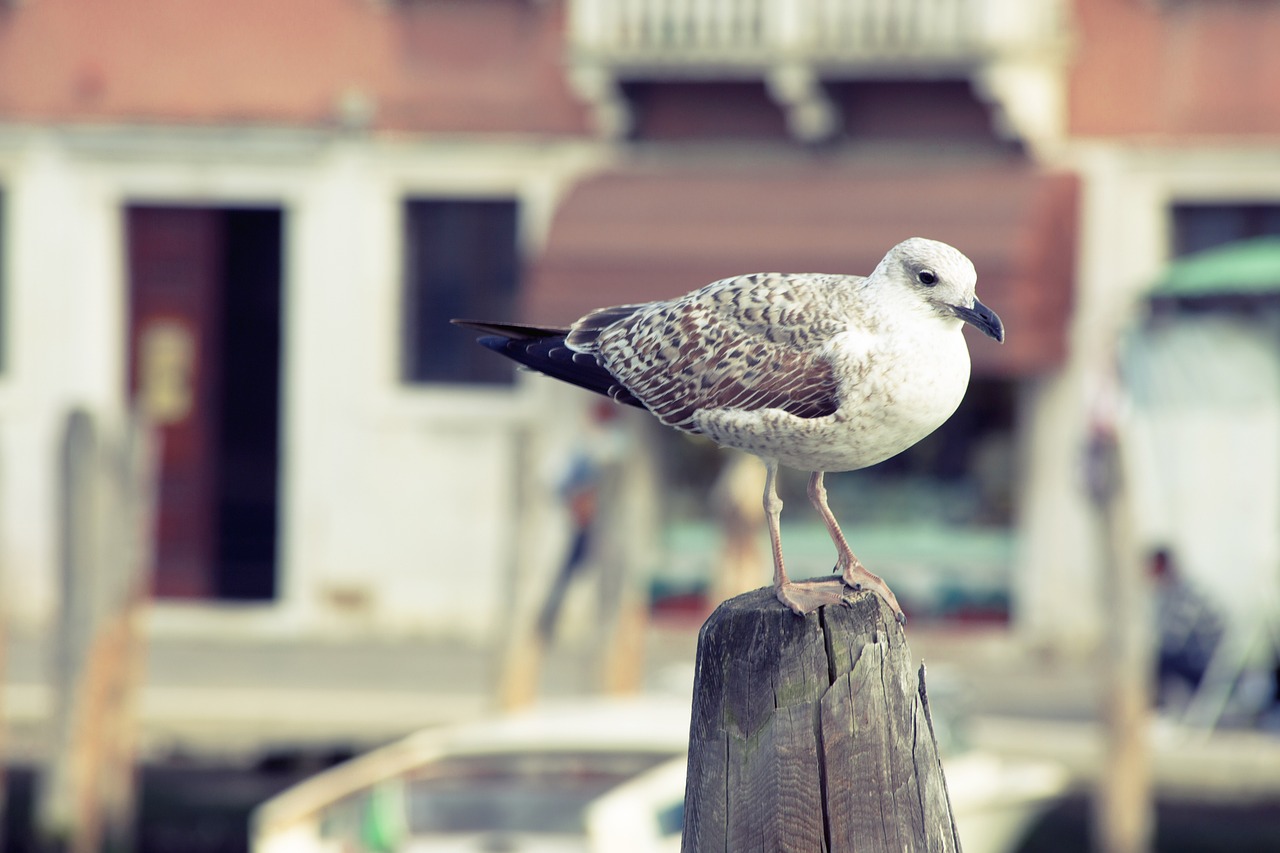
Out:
{"x": 982, "y": 317}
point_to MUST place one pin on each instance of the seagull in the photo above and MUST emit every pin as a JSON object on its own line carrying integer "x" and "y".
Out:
{"x": 814, "y": 371}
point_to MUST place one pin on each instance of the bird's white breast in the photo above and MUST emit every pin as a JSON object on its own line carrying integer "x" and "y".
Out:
{"x": 896, "y": 387}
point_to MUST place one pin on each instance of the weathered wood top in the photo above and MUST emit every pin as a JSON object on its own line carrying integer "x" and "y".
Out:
{"x": 811, "y": 734}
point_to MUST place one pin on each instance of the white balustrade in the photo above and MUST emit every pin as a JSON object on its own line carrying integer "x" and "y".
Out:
{"x": 750, "y": 31}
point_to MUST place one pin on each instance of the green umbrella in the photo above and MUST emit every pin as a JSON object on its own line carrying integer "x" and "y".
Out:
{"x": 1244, "y": 268}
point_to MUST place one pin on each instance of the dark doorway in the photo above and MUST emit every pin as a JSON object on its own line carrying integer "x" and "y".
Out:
{"x": 205, "y": 310}
{"x": 249, "y": 428}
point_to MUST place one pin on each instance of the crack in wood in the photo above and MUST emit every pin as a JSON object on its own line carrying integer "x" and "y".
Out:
{"x": 819, "y": 735}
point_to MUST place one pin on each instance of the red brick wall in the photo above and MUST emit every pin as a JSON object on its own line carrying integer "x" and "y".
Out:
{"x": 443, "y": 65}
{"x": 1184, "y": 67}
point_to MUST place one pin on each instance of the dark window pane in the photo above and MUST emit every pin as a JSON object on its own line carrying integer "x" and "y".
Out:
{"x": 460, "y": 261}
{"x": 1197, "y": 227}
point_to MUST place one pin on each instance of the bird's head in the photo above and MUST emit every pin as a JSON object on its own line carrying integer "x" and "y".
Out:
{"x": 942, "y": 280}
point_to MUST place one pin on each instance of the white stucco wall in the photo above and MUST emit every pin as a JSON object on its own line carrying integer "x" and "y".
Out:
{"x": 398, "y": 511}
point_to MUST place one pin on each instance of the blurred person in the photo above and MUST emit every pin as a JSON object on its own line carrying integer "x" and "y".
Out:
{"x": 580, "y": 491}
{"x": 1269, "y": 718}
{"x": 1188, "y": 630}
{"x": 585, "y": 486}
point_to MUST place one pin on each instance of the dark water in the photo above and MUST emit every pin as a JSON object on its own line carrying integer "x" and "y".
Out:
{"x": 202, "y": 809}
{"x": 183, "y": 809}
{"x": 1181, "y": 827}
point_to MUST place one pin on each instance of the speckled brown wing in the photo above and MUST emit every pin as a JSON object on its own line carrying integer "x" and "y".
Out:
{"x": 751, "y": 342}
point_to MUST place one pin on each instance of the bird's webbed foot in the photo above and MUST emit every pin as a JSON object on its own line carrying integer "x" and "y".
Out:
{"x": 807, "y": 596}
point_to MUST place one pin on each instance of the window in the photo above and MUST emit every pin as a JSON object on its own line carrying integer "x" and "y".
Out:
{"x": 460, "y": 260}
{"x": 1197, "y": 227}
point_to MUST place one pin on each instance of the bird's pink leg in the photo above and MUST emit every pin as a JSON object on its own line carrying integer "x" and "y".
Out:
{"x": 852, "y": 572}
{"x": 805, "y": 596}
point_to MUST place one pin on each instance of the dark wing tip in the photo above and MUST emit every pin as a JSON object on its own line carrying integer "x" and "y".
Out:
{"x": 514, "y": 331}
{"x": 545, "y": 352}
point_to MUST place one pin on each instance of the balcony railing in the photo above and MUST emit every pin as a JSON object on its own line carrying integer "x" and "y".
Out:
{"x": 674, "y": 33}
{"x": 1013, "y": 51}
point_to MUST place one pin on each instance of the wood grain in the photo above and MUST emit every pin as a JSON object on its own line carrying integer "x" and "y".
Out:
{"x": 811, "y": 734}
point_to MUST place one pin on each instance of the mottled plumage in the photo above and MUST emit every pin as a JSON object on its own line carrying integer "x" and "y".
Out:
{"x": 815, "y": 371}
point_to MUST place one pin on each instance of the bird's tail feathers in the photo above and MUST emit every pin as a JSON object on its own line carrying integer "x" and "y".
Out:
{"x": 544, "y": 350}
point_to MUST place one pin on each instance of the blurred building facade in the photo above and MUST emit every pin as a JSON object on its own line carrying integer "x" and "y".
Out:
{"x": 212, "y": 207}
{"x": 1173, "y": 125}
{"x": 257, "y": 219}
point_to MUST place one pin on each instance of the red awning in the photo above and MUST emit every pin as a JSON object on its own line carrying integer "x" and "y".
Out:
{"x": 637, "y": 235}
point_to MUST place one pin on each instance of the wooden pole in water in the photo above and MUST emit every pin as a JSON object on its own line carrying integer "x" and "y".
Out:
{"x": 86, "y": 798}
{"x": 811, "y": 734}
{"x": 1123, "y": 808}
{"x": 3, "y": 721}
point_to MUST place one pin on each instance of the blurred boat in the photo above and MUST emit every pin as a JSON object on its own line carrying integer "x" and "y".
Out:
{"x": 521, "y": 782}
{"x": 603, "y": 776}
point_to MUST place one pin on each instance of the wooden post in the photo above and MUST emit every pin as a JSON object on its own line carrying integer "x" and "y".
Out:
{"x": 3, "y": 721}
{"x": 811, "y": 735}
{"x": 1123, "y": 807}
{"x": 86, "y": 798}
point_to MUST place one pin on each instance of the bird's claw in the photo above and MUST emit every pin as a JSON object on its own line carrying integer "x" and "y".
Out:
{"x": 804, "y": 597}
{"x": 856, "y": 577}
{"x": 898, "y": 615}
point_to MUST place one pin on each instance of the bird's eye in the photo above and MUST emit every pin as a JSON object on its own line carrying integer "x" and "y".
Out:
{"x": 927, "y": 277}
